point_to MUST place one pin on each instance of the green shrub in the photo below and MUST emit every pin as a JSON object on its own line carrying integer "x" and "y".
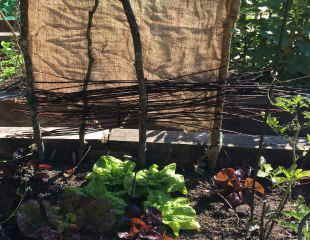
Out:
{"x": 11, "y": 61}
{"x": 8, "y": 7}
{"x": 273, "y": 34}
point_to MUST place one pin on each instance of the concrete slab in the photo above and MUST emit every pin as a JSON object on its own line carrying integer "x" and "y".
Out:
{"x": 158, "y": 137}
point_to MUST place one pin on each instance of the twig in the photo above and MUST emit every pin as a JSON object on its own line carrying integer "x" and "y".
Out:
{"x": 252, "y": 203}
{"x": 228, "y": 203}
{"x": 74, "y": 169}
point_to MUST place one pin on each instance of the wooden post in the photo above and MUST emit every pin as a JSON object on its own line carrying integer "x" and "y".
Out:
{"x": 30, "y": 90}
{"x": 134, "y": 28}
{"x": 91, "y": 60}
{"x": 215, "y": 144}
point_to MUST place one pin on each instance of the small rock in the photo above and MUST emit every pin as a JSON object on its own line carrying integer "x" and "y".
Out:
{"x": 243, "y": 210}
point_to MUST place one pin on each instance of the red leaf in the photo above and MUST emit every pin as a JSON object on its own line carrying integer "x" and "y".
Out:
{"x": 234, "y": 183}
{"x": 133, "y": 231}
{"x": 140, "y": 224}
{"x": 146, "y": 227}
{"x": 248, "y": 183}
{"x": 69, "y": 172}
{"x": 235, "y": 198}
{"x": 45, "y": 167}
{"x": 221, "y": 177}
{"x": 224, "y": 175}
{"x": 230, "y": 172}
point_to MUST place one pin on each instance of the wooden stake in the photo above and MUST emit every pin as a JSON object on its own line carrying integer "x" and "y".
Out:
{"x": 87, "y": 79}
{"x": 134, "y": 28}
{"x": 30, "y": 89}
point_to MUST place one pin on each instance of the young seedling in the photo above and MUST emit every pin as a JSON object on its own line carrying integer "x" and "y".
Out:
{"x": 294, "y": 217}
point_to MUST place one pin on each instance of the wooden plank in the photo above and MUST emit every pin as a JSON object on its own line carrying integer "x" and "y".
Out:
{"x": 161, "y": 137}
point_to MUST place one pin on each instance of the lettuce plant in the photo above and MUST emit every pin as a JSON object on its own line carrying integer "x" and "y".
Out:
{"x": 113, "y": 179}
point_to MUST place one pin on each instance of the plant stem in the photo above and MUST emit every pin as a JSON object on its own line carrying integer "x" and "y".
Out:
{"x": 135, "y": 33}
{"x": 296, "y": 137}
{"x": 280, "y": 208}
{"x": 252, "y": 200}
{"x": 262, "y": 221}
{"x": 302, "y": 225}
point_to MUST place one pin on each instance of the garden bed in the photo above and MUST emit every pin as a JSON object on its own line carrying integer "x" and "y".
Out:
{"x": 216, "y": 218}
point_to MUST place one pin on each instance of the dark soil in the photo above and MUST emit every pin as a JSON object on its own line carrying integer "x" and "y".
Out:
{"x": 217, "y": 219}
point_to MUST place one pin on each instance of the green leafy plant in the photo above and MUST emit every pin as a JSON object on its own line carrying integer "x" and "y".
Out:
{"x": 283, "y": 178}
{"x": 11, "y": 61}
{"x": 283, "y": 175}
{"x": 8, "y": 7}
{"x": 273, "y": 34}
{"x": 292, "y": 218}
{"x": 113, "y": 179}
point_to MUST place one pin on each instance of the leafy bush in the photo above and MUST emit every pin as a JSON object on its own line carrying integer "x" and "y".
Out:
{"x": 113, "y": 179}
{"x": 273, "y": 34}
{"x": 285, "y": 179}
{"x": 298, "y": 107}
{"x": 8, "y": 7}
{"x": 11, "y": 61}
